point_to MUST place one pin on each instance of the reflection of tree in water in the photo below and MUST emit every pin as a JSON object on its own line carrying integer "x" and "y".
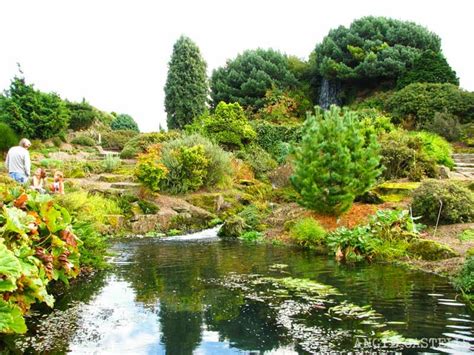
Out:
{"x": 172, "y": 275}
{"x": 181, "y": 330}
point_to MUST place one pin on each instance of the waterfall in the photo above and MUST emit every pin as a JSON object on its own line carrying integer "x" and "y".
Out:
{"x": 329, "y": 93}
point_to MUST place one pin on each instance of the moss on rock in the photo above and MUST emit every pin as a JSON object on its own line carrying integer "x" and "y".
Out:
{"x": 430, "y": 250}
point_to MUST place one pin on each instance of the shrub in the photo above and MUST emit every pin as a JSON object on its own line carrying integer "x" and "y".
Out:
{"x": 227, "y": 126}
{"x": 307, "y": 232}
{"x": 51, "y": 163}
{"x": 94, "y": 246}
{"x": 467, "y": 134}
{"x": 117, "y": 139}
{"x": 217, "y": 163}
{"x": 259, "y": 160}
{"x": 124, "y": 122}
{"x": 335, "y": 161}
{"x": 89, "y": 208}
{"x": 187, "y": 168}
{"x": 57, "y": 141}
{"x": 149, "y": 169}
{"x": 457, "y": 202}
{"x": 436, "y": 148}
{"x": 83, "y": 140}
{"x": 251, "y": 236}
{"x": 141, "y": 142}
{"x": 111, "y": 163}
{"x": 444, "y": 124}
{"x": 402, "y": 156}
{"x": 422, "y": 100}
{"x": 83, "y": 115}
{"x": 9, "y": 138}
{"x": 275, "y": 138}
{"x": 465, "y": 280}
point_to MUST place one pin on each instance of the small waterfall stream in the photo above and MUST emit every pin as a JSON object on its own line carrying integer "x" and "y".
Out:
{"x": 329, "y": 93}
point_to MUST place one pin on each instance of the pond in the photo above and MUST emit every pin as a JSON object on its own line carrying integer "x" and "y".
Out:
{"x": 206, "y": 296}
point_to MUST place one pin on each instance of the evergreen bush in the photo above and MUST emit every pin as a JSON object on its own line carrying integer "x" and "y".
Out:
{"x": 457, "y": 202}
{"x": 83, "y": 140}
{"x": 335, "y": 161}
{"x": 142, "y": 141}
{"x": 307, "y": 232}
{"x": 446, "y": 125}
{"x": 117, "y": 140}
{"x": 9, "y": 138}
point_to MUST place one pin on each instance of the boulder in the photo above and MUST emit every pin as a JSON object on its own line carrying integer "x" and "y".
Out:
{"x": 427, "y": 249}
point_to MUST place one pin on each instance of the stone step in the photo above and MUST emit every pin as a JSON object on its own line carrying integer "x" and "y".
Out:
{"x": 464, "y": 170}
{"x": 125, "y": 185}
{"x": 463, "y": 155}
{"x": 114, "y": 178}
{"x": 464, "y": 165}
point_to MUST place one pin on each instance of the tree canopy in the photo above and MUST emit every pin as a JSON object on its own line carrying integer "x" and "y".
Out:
{"x": 83, "y": 115}
{"x": 124, "y": 122}
{"x": 186, "y": 88}
{"x": 32, "y": 113}
{"x": 373, "y": 47}
{"x": 249, "y": 76}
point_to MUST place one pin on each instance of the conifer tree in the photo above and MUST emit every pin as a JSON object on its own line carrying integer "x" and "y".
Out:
{"x": 187, "y": 88}
{"x": 335, "y": 161}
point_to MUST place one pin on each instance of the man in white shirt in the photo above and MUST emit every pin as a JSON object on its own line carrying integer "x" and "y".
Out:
{"x": 18, "y": 161}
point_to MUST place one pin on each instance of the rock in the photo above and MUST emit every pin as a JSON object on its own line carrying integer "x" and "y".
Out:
{"x": 115, "y": 222}
{"x": 60, "y": 156}
{"x": 125, "y": 185}
{"x": 444, "y": 172}
{"x": 114, "y": 178}
{"x": 66, "y": 147}
{"x": 370, "y": 197}
{"x": 148, "y": 223}
{"x": 232, "y": 228}
{"x": 430, "y": 250}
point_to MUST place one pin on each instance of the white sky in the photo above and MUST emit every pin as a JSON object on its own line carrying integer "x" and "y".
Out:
{"x": 115, "y": 53}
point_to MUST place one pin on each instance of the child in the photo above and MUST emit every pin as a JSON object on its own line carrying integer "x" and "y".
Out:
{"x": 37, "y": 182}
{"x": 58, "y": 184}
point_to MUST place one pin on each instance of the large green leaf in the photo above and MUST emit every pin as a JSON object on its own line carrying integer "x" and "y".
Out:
{"x": 16, "y": 220}
{"x": 11, "y": 318}
{"x": 10, "y": 269}
{"x": 53, "y": 218}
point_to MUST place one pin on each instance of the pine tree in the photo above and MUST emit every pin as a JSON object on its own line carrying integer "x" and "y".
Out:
{"x": 187, "y": 88}
{"x": 335, "y": 161}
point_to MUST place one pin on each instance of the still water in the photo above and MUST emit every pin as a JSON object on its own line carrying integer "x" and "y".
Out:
{"x": 205, "y": 296}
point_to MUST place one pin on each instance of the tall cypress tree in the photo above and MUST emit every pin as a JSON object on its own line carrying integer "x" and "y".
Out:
{"x": 187, "y": 88}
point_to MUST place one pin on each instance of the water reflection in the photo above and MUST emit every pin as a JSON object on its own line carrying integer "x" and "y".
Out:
{"x": 176, "y": 298}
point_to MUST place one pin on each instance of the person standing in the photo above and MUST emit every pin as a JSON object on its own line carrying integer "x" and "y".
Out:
{"x": 18, "y": 161}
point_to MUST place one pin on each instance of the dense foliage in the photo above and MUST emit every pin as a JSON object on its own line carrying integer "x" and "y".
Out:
{"x": 149, "y": 169}
{"x": 141, "y": 142}
{"x": 116, "y": 139}
{"x": 465, "y": 280}
{"x": 436, "y": 148}
{"x": 258, "y": 159}
{"x": 335, "y": 161}
{"x": 192, "y": 162}
{"x": 277, "y": 138}
{"x": 446, "y": 125}
{"x": 227, "y": 126}
{"x": 403, "y": 155}
{"x": 420, "y": 102}
{"x": 373, "y": 47}
{"x": 83, "y": 139}
{"x": 82, "y": 114}
{"x": 429, "y": 67}
{"x": 124, "y": 122}
{"x": 9, "y": 138}
{"x": 307, "y": 232}
{"x": 32, "y": 113}
{"x": 385, "y": 236}
{"x": 37, "y": 245}
{"x": 456, "y": 202}
{"x": 248, "y": 77}
{"x": 186, "y": 88}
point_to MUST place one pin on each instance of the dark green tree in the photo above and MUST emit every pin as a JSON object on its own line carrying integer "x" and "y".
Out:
{"x": 248, "y": 77}
{"x": 124, "y": 122}
{"x": 187, "y": 88}
{"x": 373, "y": 48}
{"x": 335, "y": 161}
{"x": 82, "y": 114}
{"x": 429, "y": 67}
{"x": 32, "y": 113}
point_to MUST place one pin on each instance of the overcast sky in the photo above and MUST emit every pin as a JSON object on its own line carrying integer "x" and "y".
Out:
{"x": 115, "y": 53}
